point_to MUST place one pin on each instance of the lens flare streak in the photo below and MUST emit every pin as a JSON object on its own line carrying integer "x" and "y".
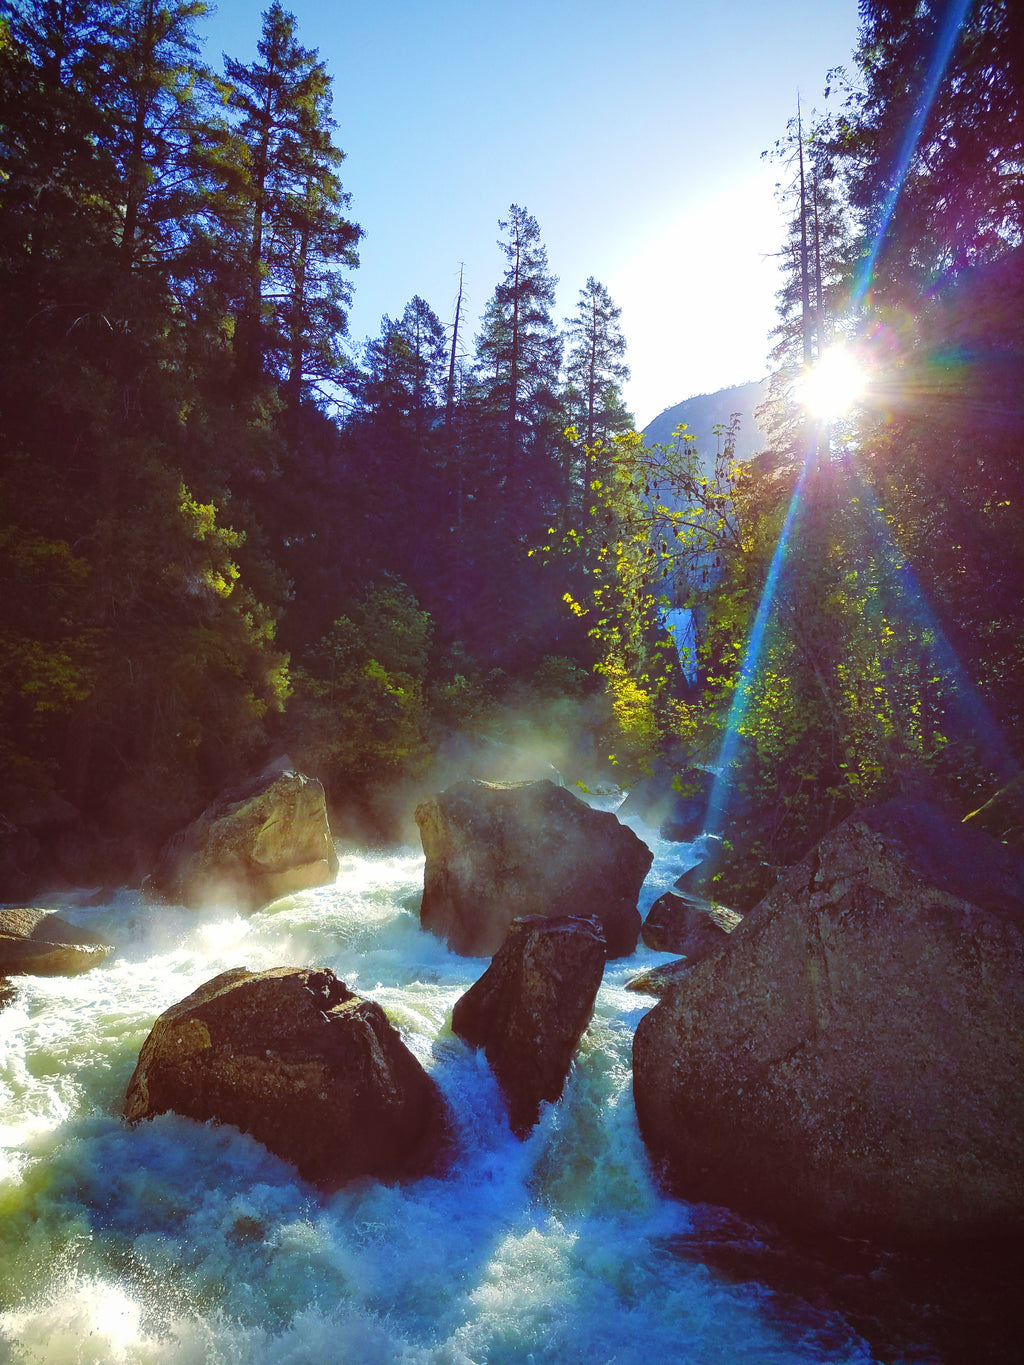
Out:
{"x": 751, "y": 659}
{"x": 950, "y": 32}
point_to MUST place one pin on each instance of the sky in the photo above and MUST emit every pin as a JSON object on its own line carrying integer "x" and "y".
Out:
{"x": 632, "y": 132}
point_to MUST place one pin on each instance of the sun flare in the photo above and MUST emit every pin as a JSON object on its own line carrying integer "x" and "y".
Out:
{"x": 833, "y": 385}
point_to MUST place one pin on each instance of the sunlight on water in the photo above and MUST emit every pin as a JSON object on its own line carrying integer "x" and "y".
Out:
{"x": 179, "y": 1242}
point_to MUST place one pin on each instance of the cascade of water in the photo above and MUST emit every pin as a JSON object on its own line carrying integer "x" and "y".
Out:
{"x": 182, "y": 1242}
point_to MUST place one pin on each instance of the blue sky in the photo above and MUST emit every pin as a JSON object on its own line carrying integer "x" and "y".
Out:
{"x": 631, "y": 131}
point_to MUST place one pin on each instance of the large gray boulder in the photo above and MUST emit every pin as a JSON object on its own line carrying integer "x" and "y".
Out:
{"x": 36, "y": 942}
{"x": 314, "y": 1072}
{"x": 854, "y": 1059}
{"x": 497, "y": 852}
{"x": 254, "y": 844}
{"x": 529, "y": 1009}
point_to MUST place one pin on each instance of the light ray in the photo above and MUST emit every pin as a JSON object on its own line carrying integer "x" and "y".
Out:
{"x": 717, "y": 803}
{"x": 910, "y": 598}
{"x": 948, "y": 35}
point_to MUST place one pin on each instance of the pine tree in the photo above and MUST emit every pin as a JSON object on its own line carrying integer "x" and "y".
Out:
{"x": 153, "y": 664}
{"x": 933, "y": 137}
{"x": 405, "y": 378}
{"x": 159, "y": 95}
{"x": 518, "y": 350}
{"x": 817, "y": 257}
{"x": 595, "y": 369}
{"x": 295, "y": 233}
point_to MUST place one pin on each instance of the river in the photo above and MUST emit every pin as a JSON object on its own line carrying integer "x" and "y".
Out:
{"x": 182, "y": 1242}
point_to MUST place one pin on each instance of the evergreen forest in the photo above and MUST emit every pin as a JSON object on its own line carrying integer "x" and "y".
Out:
{"x": 228, "y": 533}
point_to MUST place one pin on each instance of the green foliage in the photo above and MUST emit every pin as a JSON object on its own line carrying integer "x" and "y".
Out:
{"x": 359, "y": 714}
{"x": 637, "y": 730}
{"x": 45, "y": 656}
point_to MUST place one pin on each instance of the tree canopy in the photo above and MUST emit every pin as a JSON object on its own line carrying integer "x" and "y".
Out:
{"x": 229, "y": 532}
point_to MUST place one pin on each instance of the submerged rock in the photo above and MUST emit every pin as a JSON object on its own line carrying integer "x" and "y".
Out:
{"x": 254, "y": 844}
{"x": 855, "y": 1060}
{"x": 36, "y": 942}
{"x": 529, "y": 1009}
{"x": 496, "y": 852}
{"x": 311, "y": 1070}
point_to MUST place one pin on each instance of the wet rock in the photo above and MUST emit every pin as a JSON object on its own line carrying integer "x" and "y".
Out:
{"x": 658, "y": 980}
{"x": 311, "y": 1070}
{"x": 503, "y": 851}
{"x": 731, "y": 870}
{"x": 254, "y": 844}
{"x": 38, "y": 810}
{"x": 689, "y": 925}
{"x": 529, "y": 1009}
{"x": 36, "y": 942}
{"x": 855, "y": 1061}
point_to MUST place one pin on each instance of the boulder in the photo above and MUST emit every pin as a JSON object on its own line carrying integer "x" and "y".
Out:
{"x": 699, "y": 879}
{"x": 503, "y": 851}
{"x": 529, "y": 1009}
{"x": 37, "y": 809}
{"x": 658, "y": 980}
{"x": 311, "y": 1070}
{"x": 689, "y": 925}
{"x": 731, "y": 867}
{"x": 855, "y": 1061}
{"x": 688, "y": 815}
{"x": 254, "y": 844}
{"x": 36, "y": 942}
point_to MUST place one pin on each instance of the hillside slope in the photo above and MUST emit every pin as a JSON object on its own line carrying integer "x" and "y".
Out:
{"x": 704, "y": 412}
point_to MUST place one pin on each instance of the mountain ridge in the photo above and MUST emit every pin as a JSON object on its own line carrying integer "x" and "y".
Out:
{"x": 703, "y": 412}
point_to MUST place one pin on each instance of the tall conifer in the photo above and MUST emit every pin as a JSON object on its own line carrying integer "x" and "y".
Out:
{"x": 295, "y": 232}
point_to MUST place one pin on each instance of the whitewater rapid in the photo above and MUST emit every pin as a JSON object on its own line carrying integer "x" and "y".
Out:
{"x": 188, "y": 1243}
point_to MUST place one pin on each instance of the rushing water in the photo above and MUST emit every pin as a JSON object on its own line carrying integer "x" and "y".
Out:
{"x": 183, "y": 1242}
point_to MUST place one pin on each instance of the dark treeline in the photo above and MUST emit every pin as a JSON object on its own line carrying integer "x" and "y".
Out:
{"x": 222, "y": 538}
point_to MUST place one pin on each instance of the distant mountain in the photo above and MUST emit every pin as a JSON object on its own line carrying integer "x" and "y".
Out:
{"x": 703, "y": 413}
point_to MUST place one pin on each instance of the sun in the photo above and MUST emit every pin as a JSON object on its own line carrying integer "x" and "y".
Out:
{"x": 833, "y": 385}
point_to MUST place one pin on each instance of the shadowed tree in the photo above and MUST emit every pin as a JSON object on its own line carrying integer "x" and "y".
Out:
{"x": 933, "y": 136}
{"x": 295, "y": 234}
{"x": 518, "y": 350}
{"x": 595, "y": 369}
